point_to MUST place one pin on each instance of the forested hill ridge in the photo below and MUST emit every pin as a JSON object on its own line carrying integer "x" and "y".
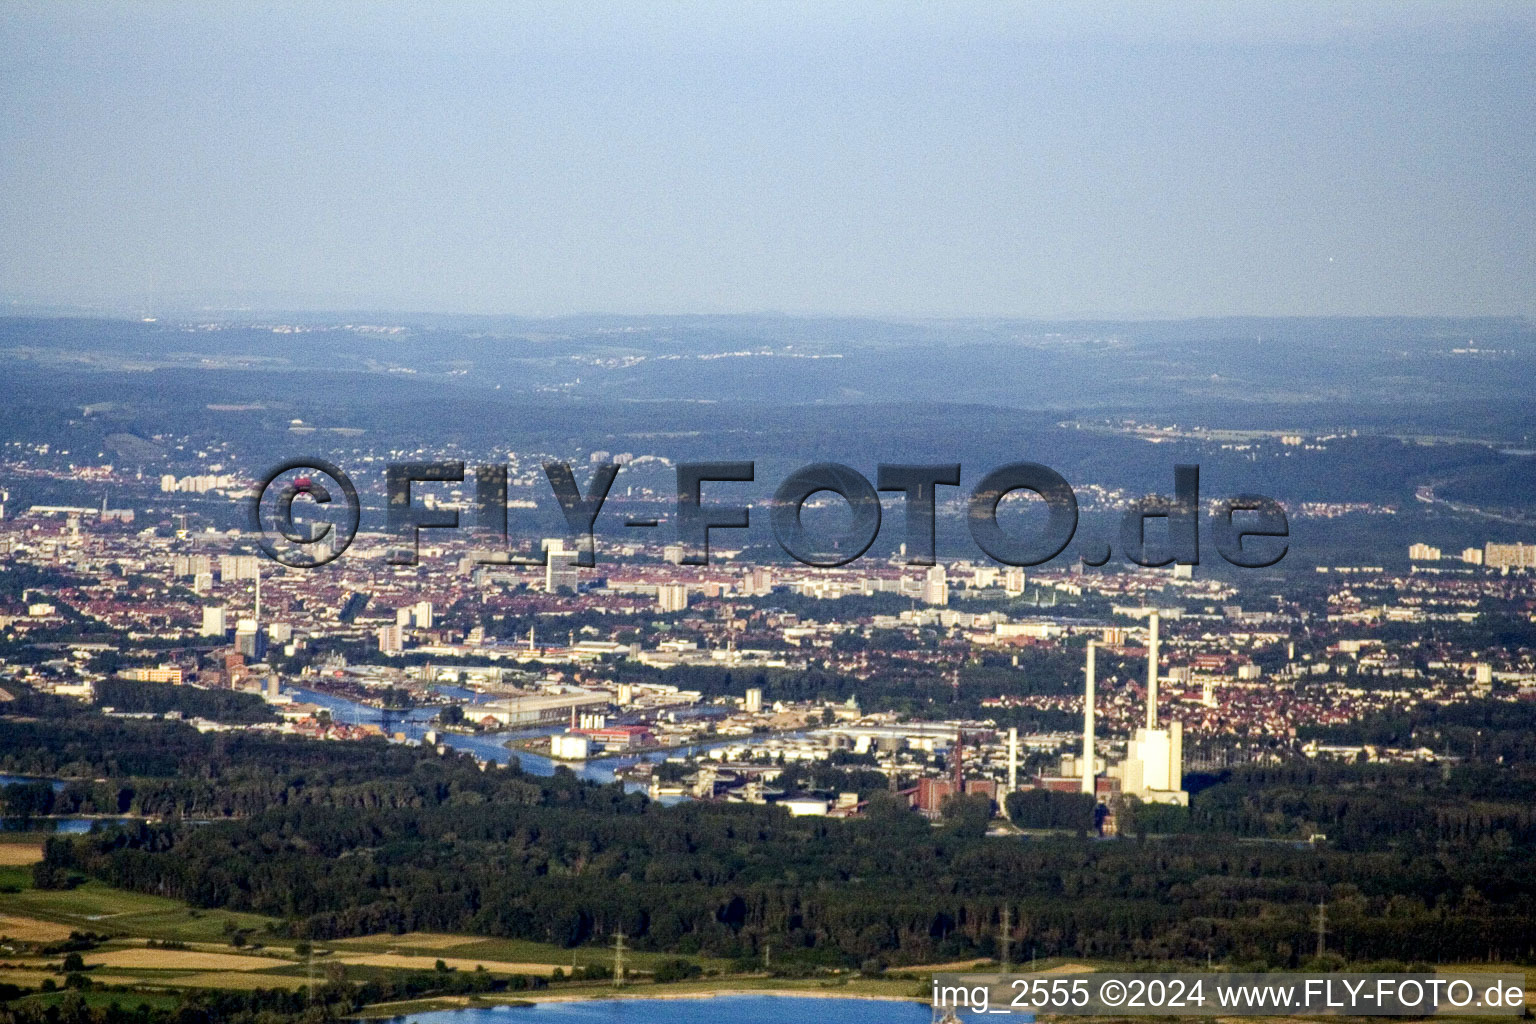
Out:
{"x": 337, "y": 840}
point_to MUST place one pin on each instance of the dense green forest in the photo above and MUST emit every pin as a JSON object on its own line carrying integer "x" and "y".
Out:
{"x": 230, "y": 706}
{"x": 1488, "y": 730}
{"x": 345, "y": 839}
{"x": 1044, "y": 808}
{"x": 449, "y": 848}
{"x": 1362, "y": 807}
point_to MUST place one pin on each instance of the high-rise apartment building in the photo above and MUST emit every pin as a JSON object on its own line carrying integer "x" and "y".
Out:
{"x": 936, "y": 586}
{"x": 560, "y": 572}
{"x": 390, "y": 641}
{"x": 1510, "y": 556}
{"x": 213, "y": 621}
{"x": 671, "y": 597}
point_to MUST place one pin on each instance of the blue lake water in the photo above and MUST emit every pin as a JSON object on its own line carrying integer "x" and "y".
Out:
{"x": 741, "y": 1009}
{"x": 40, "y": 824}
{"x": 66, "y": 826}
{"x": 418, "y": 721}
{"x": 8, "y": 780}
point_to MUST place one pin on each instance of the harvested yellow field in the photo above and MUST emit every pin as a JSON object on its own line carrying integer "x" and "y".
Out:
{"x": 411, "y": 940}
{"x": 241, "y": 980}
{"x": 426, "y": 963}
{"x": 949, "y": 967}
{"x": 964, "y": 966}
{"x": 178, "y": 960}
{"x": 28, "y": 929}
{"x": 19, "y": 854}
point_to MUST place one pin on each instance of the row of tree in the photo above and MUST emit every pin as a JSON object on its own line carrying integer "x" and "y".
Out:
{"x": 344, "y": 839}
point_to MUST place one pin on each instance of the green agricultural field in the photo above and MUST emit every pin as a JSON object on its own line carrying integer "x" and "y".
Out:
{"x": 521, "y": 950}
{"x": 131, "y": 919}
{"x": 96, "y": 907}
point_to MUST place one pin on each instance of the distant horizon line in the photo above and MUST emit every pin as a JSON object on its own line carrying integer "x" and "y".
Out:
{"x": 142, "y": 314}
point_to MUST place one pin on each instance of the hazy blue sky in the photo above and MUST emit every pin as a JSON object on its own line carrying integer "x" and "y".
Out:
{"x": 870, "y": 158}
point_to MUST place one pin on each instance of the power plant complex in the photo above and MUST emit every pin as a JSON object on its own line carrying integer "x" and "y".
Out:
{"x": 1153, "y": 767}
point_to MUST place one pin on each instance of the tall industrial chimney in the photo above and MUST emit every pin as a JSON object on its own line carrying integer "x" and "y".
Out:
{"x": 1152, "y": 655}
{"x": 958, "y": 782}
{"x": 1013, "y": 759}
{"x": 1088, "y": 701}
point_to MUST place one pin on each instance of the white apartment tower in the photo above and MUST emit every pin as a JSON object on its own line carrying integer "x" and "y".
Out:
{"x": 936, "y": 586}
{"x": 560, "y": 571}
{"x": 213, "y": 621}
{"x": 671, "y": 597}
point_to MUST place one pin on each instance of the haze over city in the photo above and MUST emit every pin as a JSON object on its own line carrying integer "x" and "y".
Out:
{"x": 935, "y": 159}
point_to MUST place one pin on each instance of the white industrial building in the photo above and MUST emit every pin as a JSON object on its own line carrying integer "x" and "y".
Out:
{"x": 540, "y": 708}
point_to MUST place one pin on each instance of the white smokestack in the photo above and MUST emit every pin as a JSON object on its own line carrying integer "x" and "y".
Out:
{"x": 1013, "y": 759}
{"x": 1088, "y": 700}
{"x": 1152, "y": 656}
